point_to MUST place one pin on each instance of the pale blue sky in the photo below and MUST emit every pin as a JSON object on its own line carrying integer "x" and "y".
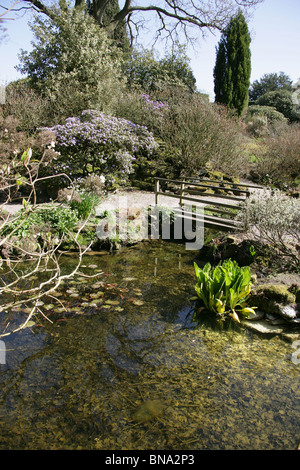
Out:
{"x": 275, "y": 46}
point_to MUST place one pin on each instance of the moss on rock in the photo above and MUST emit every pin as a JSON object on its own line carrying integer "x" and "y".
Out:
{"x": 278, "y": 292}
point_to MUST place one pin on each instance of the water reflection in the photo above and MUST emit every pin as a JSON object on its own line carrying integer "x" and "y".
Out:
{"x": 127, "y": 368}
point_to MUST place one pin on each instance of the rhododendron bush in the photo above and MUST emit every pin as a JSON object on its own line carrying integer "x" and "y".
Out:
{"x": 99, "y": 143}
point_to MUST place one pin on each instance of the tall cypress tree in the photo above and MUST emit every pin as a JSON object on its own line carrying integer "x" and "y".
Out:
{"x": 233, "y": 65}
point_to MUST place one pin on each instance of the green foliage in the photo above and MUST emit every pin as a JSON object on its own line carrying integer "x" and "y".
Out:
{"x": 269, "y": 112}
{"x": 269, "y": 82}
{"x": 73, "y": 63}
{"x": 224, "y": 288}
{"x": 282, "y": 101}
{"x": 264, "y": 120}
{"x": 43, "y": 218}
{"x": 85, "y": 206}
{"x": 233, "y": 65}
{"x": 152, "y": 74}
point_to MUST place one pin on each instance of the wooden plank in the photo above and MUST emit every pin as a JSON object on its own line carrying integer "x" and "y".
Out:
{"x": 193, "y": 199}
{"x": 219, "y": 211}
{"x": 248, "y": 185}
{"x": 204, "y": 181}
{"x": 215, "y": 224}
{"x": 224, "y": 196}
{"x": 222, "y": 188}
{"x": 215, "y": 203}
{"x": 204, "y": 217}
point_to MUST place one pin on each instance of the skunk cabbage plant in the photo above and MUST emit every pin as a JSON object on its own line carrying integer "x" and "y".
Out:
{"x": 224, "y": 289}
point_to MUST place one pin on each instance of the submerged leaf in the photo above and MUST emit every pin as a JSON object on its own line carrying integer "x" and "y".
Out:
{"x": 112, "y": 302}
{"x": 29, "y": 324}
{"x": 137, "y": 302}
{"x": 119, "y": 309}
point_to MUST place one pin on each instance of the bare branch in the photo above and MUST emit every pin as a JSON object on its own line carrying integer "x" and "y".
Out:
{"x": 176, "y": 15}
{"x": 173, "y": 15}
{"x": 31, "y": 274}
{"x": 8, "y": 9}
{"x": 40, "y": 8}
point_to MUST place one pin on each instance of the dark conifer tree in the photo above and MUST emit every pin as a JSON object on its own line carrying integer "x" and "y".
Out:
{"x": 233, "y": 65}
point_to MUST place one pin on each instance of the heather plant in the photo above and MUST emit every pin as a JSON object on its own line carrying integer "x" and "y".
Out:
{"x": 204, "y": 135}
{"x": 280, "y": 162}
{"x": 28, "y": 106}
{"x": 274, "y": 218}
{"x": 14, "y": 169}
{"x": 100, "y": 144}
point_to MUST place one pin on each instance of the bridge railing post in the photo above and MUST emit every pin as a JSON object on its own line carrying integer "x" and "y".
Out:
{"x": 181, "y": 194}
{"x": 156, "y": 190}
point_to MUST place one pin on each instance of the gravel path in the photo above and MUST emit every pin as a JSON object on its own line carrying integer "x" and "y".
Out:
{"x": 128, "y": 198}
{"x": 134, "y": 199}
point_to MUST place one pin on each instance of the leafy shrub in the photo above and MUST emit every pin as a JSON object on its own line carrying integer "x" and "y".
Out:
{"x": 282, "y": 101}
{"x": 146, "y": 71}
{"x": 269, "y": 112}
{"x": 143, "y": 109}
{"x": 73, "y": 74}
{"x": 192, "y": 132}
{"x": 274, "y": 218}
{"x": 224, "y": 288}
{"x": 269, "y": 82}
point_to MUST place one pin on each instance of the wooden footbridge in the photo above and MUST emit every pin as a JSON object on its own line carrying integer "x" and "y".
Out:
{"x": 217, "y": 201}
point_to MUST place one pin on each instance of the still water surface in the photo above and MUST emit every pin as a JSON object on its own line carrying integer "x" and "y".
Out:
{"x": 128, "y": 367}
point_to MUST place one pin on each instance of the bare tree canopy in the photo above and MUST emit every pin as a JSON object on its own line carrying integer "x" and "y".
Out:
{"x": 169, "y": 18}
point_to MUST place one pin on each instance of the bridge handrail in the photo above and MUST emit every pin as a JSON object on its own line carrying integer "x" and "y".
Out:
{"x": 183, "y": 182}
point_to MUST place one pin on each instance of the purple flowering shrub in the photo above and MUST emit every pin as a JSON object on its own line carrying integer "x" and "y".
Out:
{"x": 155, "y": 105}
{"x": 102, "y": 144}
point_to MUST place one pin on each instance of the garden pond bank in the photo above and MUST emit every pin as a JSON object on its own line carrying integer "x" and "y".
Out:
{"x": 128, "y": 366}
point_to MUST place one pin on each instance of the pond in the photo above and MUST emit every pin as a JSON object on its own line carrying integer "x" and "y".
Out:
{"x": 129, "y": 367}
